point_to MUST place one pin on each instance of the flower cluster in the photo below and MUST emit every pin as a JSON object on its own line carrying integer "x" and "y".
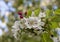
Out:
{"x": 15, "y": 28}
{"x": 32, "y": 22}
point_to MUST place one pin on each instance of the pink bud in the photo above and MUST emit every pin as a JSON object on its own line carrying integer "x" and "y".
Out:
{"x": 21, "y": 16}
{"x": 20, "y": 13}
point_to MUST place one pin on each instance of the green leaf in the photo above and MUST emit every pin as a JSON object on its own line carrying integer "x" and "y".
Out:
{"x": 29, "y": 13}
{"x": 57, "y": 11}
{"x": 54, "y": 25}
{"x": 37, "y": 12}
{"x": 48, "y": 13}
{"x": 55, "y": 33}
{"x": 56, "y": 18}
{"x": 45, "y": 37}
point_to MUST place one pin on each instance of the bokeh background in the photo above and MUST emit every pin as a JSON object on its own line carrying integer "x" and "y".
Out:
{"x": 9, "y": 14}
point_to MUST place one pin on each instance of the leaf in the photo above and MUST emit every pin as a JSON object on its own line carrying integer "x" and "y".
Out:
{"x": 29, "y": 13}
{"x": 57, "y": 11}
{"x": 45, "y": 37}
{"x": 54, "y": 25}
{"x": 55, "y": 33}
{"x": 56, "y": 18}
{"x": 37, "y": 12}
{"x": 48, "y": 13}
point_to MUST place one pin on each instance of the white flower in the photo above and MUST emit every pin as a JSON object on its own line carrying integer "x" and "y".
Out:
{"x": 42, "y": 14}
{"x": 15, "y": 28}
{"x": 33, "y": 14}
{"x": 28, "y": 26}
{"x": 58, "y": 31}
{"x": 22, "y": 23}
{"x": 16, "y": 24}
{"x": 42, "y": 23}
{"x": 55, "y": 39}
{"x": 31, "y": 21}
{"x": 15, "y": 35}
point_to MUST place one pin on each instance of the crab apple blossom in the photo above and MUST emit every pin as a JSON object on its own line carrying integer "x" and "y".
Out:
{"x": 33, "y": 14}
{"x": 32, "y": 22}
{"x": 42, "y": 14}
{"x": 58, "y": 31}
